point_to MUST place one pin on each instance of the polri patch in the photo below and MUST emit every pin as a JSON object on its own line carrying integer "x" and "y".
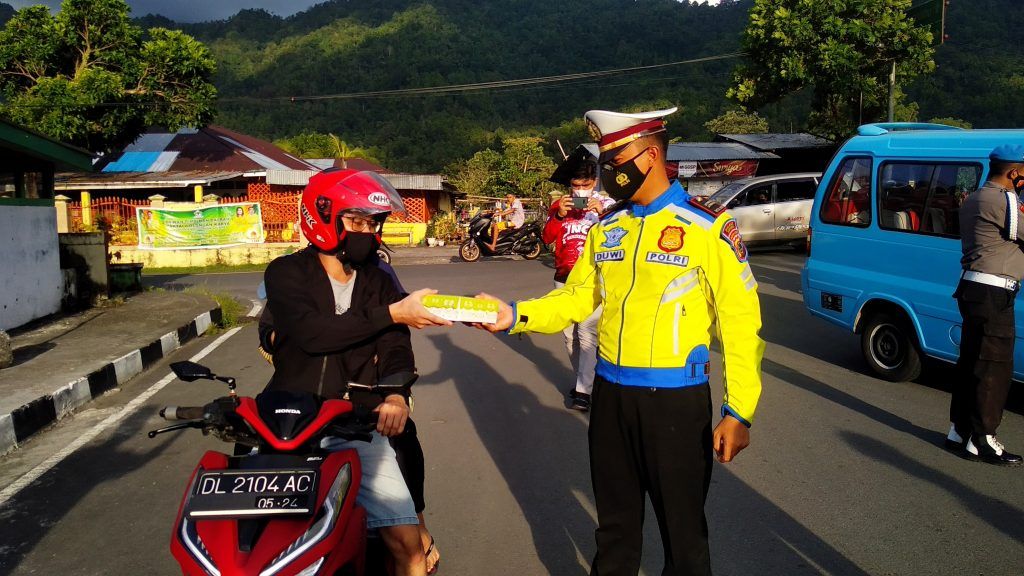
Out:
{"x": 613, "y": 237}
{"x": 673, "y": 259}
{"x": 731, "y": 236}
{"x": 609, "y": 256}
{"x": 671, "y": 238}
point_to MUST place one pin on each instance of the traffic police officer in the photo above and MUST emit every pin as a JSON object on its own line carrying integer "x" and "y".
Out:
{"x": 993, "y": 262}
{"x": 667, "y": 269}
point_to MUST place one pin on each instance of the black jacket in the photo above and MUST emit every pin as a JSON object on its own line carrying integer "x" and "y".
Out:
{"x": 318, "y": 351}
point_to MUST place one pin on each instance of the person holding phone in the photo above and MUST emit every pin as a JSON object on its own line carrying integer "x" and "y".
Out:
{"x": 569, "y": 220}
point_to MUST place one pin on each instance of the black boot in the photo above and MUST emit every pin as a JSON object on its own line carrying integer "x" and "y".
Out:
{"x": 990, "y": 451}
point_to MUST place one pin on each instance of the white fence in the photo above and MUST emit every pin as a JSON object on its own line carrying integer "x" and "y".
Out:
{"x": 31, "y": 285}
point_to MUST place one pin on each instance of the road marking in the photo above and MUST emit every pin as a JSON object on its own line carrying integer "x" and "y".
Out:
{"x": 256, "y": 307}
{"x": 33, "y": 474}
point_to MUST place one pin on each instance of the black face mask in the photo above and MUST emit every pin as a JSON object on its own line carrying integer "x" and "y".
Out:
{"x": 357, "y": 248}
{"x": 622, "y": 182}
{"x": 1018, "y": 183}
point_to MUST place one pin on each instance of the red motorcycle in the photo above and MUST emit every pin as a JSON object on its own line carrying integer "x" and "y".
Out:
{"x": 284, "y": 508}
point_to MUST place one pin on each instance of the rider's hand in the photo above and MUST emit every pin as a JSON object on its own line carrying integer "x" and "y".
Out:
{"x": 564, "y": 205}
{"x": 391, "y": 415}
{"x": 504, "y": 315}
{"x": 729, "y": 437}
{"x": 410, "y": 311}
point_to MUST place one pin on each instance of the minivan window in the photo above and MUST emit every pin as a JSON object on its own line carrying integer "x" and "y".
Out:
{"x": 924, "y": 198}
{"x": 726, "y": 192}
{"x": 759, "y": 195}
{"x": 848, "y": 201}
{"x": 793, "y": 190}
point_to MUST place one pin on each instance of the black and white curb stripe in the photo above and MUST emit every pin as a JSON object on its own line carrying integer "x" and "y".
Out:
{"x": 29, "y": 418}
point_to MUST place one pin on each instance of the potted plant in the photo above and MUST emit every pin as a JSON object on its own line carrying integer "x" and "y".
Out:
{"x": 432, "y": 231}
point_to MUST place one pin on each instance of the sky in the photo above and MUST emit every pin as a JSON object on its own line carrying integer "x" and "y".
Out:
{"x": 202, "y": 10}
{"x": 195, "y": 10}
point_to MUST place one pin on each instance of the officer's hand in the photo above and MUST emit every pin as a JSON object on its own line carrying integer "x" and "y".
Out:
{"x": 564, "y": 205}
{"x": 410, "y": 311}
{"x": 729, "y": 438}
{"x": 504, "y": 315}
{"x": 391, "y": 415}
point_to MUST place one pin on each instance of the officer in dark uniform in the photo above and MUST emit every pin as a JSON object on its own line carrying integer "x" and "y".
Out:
{"x": 992, "y": 235}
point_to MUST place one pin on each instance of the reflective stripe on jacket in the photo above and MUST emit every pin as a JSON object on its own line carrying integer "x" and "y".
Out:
{"x": 667, "y": 273}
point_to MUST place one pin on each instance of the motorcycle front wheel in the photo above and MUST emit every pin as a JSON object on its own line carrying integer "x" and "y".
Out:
{"x": 469, "y": 251}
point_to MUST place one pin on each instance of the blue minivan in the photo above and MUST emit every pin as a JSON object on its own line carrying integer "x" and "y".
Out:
{"x": 884, "y": 241}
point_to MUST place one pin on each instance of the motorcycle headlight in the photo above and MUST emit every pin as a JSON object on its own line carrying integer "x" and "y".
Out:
{"x": 320, "y": 529}
{"x": 194, "y": 545}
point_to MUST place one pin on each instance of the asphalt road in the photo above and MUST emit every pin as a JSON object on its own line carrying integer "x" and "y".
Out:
{"x": 845, "y": 474}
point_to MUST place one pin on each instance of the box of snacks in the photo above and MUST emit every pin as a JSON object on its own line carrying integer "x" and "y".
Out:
{"x": 462, "y": 308}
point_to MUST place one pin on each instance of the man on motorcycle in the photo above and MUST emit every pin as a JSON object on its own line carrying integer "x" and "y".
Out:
{"x": 339, "y": 321}
{"x": 407, "y": 446}
{"x": 513, "y": 217}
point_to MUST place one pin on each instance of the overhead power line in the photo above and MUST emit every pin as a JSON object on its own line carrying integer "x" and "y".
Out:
{"x": 499, "y": 84}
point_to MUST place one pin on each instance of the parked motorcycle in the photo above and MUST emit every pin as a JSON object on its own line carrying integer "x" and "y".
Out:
{"x": 525, "y": 241}
{"x": 287, "y": 507}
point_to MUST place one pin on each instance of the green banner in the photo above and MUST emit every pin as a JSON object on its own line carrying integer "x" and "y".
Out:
{"x": 205, "y": 227}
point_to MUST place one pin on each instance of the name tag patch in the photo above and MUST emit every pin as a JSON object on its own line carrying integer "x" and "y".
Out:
{"x": 609, "y": 256}
{"x": 673, "y": 259}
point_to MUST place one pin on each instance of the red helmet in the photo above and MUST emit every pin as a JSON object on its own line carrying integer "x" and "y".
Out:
{"x": 334, "y": 191}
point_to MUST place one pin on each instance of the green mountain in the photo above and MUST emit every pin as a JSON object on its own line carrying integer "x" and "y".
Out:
{"x": 346, "y": 47}
{"x": 6, "y": 11}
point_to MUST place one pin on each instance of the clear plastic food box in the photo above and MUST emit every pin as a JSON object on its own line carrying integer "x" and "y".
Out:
{"x": 462, "y": 308}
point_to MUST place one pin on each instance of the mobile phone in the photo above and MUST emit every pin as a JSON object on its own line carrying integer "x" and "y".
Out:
{"x": 579, "y": 202}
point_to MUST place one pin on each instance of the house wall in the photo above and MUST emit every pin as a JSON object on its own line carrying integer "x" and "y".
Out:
{"x": 31, "y": 285}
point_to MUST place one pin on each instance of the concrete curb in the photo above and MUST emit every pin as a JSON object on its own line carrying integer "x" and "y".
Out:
{"x": 32, "y": 417}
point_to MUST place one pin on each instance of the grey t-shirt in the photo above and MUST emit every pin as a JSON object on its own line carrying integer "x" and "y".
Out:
{"x": 342, "y": 293}
{"x": 992, "y": 232}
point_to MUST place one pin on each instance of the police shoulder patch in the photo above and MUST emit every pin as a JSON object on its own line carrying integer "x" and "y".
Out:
{"x": 731, "y": 235}
{"x": 707, "y": 205}
{"x": 614, "y": 209}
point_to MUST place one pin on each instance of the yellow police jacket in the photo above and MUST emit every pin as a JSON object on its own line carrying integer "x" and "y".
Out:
{"x": 668, "y": 274}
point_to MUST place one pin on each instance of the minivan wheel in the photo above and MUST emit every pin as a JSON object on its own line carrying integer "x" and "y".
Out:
{"x": 890, "y": 347}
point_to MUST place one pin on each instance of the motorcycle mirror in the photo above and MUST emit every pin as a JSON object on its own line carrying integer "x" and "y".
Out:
{"x": 190, "y": 371}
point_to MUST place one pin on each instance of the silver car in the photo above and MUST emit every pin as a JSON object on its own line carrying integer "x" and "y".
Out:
{"x": 773, "y": 209}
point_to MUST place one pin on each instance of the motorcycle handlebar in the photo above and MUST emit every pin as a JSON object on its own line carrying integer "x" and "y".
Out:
{"x": 182, "y": 412}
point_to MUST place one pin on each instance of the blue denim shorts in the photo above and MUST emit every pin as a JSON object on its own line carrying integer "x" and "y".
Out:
{"x": 383, "y": 491}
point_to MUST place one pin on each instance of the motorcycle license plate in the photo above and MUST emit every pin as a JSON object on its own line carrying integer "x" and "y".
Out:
{"x": 240, "y": 493}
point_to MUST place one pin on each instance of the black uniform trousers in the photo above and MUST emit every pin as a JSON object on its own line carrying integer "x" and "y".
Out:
{"x": 655, "y": 441}
{"x": 985, "y": 366}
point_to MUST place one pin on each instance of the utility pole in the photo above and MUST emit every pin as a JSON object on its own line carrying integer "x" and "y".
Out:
{"x": 892, "y": 91}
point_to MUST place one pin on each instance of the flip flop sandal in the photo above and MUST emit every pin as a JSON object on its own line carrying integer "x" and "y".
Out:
{"x": 430, "y": 550}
